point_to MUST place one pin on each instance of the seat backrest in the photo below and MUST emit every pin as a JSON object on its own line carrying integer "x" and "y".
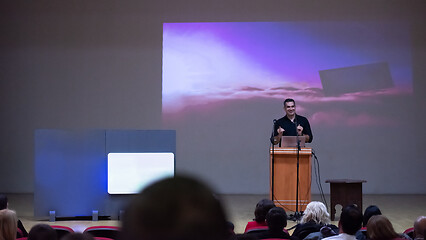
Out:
{"x": 254, "y": 225}
{"x": 363, "y": 230}
{"x": 19, "y": 233}
{"x": 256, "y": 230}
{"x": 409, "y": 232}
{"x": 275, "y": 239}
{"x": 62, "y": 230}
{"x": 111, "y": 232}
{"x": 306, "y": 230}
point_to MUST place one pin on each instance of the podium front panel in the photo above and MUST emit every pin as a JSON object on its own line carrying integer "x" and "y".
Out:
{"x": 284, "y": 178}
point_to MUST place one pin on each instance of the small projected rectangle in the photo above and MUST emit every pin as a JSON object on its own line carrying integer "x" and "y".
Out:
{"x": 358, "y": 78}
{"x": 128, "y": 173}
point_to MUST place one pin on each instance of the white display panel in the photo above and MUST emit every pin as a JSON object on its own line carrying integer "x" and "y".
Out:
{"x": 128, "y": 173}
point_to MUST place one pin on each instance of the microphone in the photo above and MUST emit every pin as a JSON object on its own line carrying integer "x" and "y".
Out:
{"x": 273, "y": 131}
{"x": 297, "y": 136}
{"x": 295, "y": 124}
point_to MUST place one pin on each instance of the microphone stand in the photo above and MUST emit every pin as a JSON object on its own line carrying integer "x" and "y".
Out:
{"x": 297, "y": 215}
{"x": 272, "y": 159}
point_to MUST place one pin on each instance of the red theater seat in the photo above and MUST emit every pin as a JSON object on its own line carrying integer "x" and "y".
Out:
{"x": 409, "y": 232}
{"x": 62, "y": 230}
{"x": 110, "y": 232}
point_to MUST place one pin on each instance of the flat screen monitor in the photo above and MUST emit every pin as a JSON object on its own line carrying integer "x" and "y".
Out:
{"x": 129, "y": 173}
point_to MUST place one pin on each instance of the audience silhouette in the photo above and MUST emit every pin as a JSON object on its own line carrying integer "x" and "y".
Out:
{"x": 380, "y": 228}
{"x": 420, "y": 228}
{"x": 350, "y": 222}
{"x": 42, "y": 232}
{"x": 78, "y": 236}
{"x": 277, "y": 221}
{"x": 179, "y": 208}
{"x": 262, "y": 208}
{"x": 183, "y": 208}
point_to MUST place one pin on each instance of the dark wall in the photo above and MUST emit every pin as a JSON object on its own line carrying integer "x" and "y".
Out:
{"x": 97, "y": 64}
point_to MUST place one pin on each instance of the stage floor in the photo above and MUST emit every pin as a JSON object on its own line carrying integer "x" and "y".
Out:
{"x": 401, "y": 210}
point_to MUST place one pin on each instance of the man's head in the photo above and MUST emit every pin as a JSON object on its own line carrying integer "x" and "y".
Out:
{"x": 290, "y": 107}
{"x": 420, "y": 227}
{"x": 262, "y": 208}
{"x": 78, "y": 236}
{"x": 350, "y": 220}
{"x": 42, "y": 232}
{"x": 276, "y": 219}
{"x": 174, "y": 209}
{"x": 3, "y": 202}
{"x": 370, "y": 211}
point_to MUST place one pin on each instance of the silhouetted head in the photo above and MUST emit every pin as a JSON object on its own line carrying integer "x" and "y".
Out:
{"x": 78, "y": 236}
{"x": 276, "y": 219}
{"x": 179, "y": 208}
{"x": 380, "y": 228}
{"x": 350, "y": 219}
{"x": 370, "y": 211}
{"x": 420, "y": 227}
{"x": 42, "y": 232}
{"x": 262, "y": 208}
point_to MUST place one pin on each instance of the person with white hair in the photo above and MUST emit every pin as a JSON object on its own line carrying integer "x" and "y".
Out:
{"x": 314, "y": 218}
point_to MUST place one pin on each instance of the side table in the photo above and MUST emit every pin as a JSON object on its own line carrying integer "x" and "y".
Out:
{"x": 344, "y": 192}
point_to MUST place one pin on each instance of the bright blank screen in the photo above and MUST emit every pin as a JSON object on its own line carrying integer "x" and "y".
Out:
{"x": 128, "y": 173}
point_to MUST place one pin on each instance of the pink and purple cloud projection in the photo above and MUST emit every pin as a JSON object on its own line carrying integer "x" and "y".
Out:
{"x": 207, "y": 63}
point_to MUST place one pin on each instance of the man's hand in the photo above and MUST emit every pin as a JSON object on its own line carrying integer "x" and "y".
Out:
{"x": 277, "y": 138}
{"x": 299, "y": 130}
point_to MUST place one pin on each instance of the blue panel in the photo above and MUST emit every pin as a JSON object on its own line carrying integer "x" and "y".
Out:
{"x": 71, "y": 168}
{"x": 70, "y": 172}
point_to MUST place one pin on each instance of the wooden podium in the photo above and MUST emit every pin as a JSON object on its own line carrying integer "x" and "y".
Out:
{"x": 285, "y": 177}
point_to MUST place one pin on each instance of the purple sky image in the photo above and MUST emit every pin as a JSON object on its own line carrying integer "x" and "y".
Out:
{"x": 208, "y": 62}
